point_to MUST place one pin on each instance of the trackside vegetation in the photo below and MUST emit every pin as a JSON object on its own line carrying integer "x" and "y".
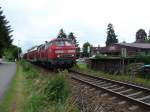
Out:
{"x": 39, "y": 91}
{"x": 126, "y": 77}
{"x": 143, "y": 58}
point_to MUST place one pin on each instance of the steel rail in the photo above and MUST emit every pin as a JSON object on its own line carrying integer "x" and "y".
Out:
{"x": 136, "y": 101}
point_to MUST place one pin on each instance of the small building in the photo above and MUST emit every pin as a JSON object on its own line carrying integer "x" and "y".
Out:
{"x": 132, "y": 49}
{"x": 112, "y": 61}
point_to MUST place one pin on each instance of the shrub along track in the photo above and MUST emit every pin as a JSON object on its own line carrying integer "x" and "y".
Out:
{"x": 94, "y": 94}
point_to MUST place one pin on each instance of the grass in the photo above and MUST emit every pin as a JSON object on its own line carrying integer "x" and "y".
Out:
{"x": 47, "y": 95}
{"x": 33, "y": 91}
{"x": 127, "y": 78}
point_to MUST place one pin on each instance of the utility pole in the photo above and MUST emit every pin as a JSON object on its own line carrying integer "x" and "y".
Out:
{"x": 123, "y": 55}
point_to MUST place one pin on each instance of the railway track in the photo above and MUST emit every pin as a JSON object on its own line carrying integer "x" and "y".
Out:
{"x": 134, "y": 94}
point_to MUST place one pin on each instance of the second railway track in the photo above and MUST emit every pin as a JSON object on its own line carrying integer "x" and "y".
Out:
{"x": 135, "y": 94}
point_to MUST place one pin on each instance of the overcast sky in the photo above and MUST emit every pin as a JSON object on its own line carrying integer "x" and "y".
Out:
{"x": 35, "y": 21}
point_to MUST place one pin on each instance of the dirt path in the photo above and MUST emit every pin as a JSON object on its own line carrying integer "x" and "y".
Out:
{"x": 7, "y": 71}
{"x": 18, "y": 98}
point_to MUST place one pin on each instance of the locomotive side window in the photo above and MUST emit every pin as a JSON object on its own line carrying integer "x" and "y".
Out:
{"x": 49, "y": 44}
{"x": 43, "y": 47}
{"x": 38, "y": 48}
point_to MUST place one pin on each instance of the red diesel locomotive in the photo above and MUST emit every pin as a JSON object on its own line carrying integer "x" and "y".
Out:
{"x": 58, "y": 53}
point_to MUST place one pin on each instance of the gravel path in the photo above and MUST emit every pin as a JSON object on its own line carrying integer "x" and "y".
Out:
{"x": 7, "y": 71}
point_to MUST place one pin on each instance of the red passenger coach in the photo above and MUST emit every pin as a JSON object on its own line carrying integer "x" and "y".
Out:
{"x": 58, "y": 53}
{"x": 32, "y": 54}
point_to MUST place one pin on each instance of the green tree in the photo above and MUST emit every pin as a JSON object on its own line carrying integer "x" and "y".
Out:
{"x": 86, "y": 49}
{"x": 141, "y": 36}
{"x": 72, "y": 37}
{"x": 74, "y": 40}
{"x": 12, "y": 52}
{"x": 5, "y": 30}
{"x": 62, "y": 34}
{"x": 111, "y": 36}
{"x": 148, "y": 39}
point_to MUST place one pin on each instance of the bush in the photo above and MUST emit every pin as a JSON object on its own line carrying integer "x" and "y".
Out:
{"x": 143, "y": 58}
{"x": 35, "y": 103}
{"x": 28, "y": 69}
{"x": 26, "y": 65}
{"x": 57, "y": 89}
{"x": 32, "y": 74}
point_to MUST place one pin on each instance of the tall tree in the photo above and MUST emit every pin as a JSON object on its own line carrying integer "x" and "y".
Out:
{"x": 111, "y": 36}
{"x": 5, "y": 30}
{"x": 74, "y": 40}
{"x": 148, "y": 39}
{"x": 12, "y": 52}
{"x": 62, "y": 34}
{"x": 141, "y": 36}
{"x": 86, "y": 49}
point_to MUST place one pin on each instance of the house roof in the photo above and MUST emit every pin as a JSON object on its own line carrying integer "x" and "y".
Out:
{"x": 115, "y": 48}
{"x": 136, "y": 45}
{"x": 95, "y": 48}
{"x": 109, "y": 49}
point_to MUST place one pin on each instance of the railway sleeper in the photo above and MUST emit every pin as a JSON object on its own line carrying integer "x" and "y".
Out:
{"x": 111, "y": 87}
{"x": 143, "y": 98}
{"x": 134, "y": 94}
{"x": 106, "y": 85}
{"x": 115, "y": 89}
{"x": 128, "y": 90}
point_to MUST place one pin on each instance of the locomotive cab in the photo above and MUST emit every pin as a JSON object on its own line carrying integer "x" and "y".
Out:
{"x": 64, "y": 49}
{"x": 64, "y": 52}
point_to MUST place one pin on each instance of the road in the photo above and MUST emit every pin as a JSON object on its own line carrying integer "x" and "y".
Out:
{"x": 7, "y": 71}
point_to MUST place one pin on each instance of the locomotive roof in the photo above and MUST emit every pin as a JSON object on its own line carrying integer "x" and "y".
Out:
{"x": 36, "y": 47}
{"x": 33, "y": 49}
{"x": 60, "y": 39}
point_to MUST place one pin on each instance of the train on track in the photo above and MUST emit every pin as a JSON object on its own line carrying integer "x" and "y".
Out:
{"x": 55, "y": 54}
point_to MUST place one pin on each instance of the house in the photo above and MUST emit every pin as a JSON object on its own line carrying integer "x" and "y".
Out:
{"x": 131, "y": 49}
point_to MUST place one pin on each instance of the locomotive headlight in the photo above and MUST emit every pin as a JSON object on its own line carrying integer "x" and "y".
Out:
{"x": 71, "y": 51}
{"x": 58, "y": 56}
{"x": 59, "y": 51}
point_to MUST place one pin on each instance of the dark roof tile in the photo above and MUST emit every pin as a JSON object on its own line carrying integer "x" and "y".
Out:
{"x": 136, "y": 45}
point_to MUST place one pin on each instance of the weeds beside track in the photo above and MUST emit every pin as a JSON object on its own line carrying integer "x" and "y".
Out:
{"x": 33, "y": 91}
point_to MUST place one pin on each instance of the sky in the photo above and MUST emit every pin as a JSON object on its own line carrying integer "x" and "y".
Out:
{"x": 37, "y": 21}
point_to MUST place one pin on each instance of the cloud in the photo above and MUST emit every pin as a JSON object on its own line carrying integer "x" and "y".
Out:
{"x": 35, "y": 21}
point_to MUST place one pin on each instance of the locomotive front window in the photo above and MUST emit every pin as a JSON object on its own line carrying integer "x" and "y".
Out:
{"x": 60, "y": 43}
{"x": 67, "y": 43}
